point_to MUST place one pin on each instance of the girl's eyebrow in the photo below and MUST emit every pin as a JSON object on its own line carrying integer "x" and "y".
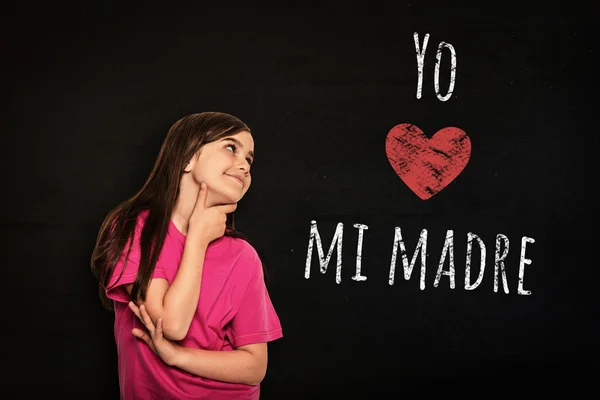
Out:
{"x": 234, "y": 140}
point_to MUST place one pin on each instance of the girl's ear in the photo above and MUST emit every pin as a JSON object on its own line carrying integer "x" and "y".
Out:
{"x": 190, "y": 165}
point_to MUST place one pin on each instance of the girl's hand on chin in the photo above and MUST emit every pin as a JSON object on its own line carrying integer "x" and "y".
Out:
{"x": 208, "y": 223}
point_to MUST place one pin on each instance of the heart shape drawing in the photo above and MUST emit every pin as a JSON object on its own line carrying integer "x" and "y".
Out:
{"x": 427, "y": 165}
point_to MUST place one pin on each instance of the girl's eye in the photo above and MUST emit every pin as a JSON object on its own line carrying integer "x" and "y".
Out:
{"x": 249, "y": 161}
{"x": 232, "y": 147}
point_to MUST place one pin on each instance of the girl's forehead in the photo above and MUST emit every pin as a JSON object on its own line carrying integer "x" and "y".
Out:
{"x": 245, "y": 134}
{"x": 244, "y": 137}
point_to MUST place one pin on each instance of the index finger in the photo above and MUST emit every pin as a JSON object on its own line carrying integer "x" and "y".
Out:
{"x": 202, "y": 194}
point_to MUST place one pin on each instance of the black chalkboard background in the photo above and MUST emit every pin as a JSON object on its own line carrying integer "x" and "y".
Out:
{"x": 90, "y": 89}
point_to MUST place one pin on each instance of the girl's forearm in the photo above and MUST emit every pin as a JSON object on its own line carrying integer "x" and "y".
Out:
{"x": 235, "y": 366}
{"x": 181, "y": 299}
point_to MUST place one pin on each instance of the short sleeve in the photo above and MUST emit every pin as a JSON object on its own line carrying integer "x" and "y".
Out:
{"x": 256, "y": 320}
{"x": 116, "y": 290}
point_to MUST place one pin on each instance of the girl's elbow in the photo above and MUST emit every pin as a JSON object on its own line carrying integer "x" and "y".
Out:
{"x": 175, "y": 337}
{"x": 258, "y": 375}
{"x": 174, "y": 332}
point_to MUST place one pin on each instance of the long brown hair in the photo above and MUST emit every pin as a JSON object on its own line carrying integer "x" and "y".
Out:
{"x": 158, "y": 196}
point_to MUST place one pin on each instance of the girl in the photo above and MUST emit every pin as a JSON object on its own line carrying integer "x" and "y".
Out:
{"x": 192, "y": 312}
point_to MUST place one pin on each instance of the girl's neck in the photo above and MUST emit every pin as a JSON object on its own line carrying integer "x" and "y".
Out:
{"x": 188, "y": 193}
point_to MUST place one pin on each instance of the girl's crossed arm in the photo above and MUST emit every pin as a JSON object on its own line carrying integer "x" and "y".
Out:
{"x": 176, "y": 304}
{"x": 246, "y": 364}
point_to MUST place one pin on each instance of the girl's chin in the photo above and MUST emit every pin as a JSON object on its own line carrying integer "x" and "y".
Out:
{"x": 228, "y": 198}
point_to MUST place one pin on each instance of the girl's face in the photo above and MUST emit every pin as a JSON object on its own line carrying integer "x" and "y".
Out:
{"x": 224, "y": 165}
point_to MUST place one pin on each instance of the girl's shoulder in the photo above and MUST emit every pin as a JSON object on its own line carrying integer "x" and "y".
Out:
{"x": 239, "y": 247}
{"x": 235, "y": 255}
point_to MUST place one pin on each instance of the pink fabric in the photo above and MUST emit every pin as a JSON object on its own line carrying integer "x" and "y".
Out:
{"x": 234, "y": 309}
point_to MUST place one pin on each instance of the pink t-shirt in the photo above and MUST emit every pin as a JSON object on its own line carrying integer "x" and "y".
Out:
{"x": 234, "y": 309}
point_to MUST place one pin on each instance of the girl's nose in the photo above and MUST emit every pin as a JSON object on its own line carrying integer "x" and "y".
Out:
{"x": 243, "y": 165}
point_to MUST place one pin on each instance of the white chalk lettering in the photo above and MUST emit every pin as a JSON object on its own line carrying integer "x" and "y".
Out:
{"x": 502, "y": 246}
{"x": 522, "y": 262}
{"x": 324, "y": 261}
{"x": 499, "y": 262}
{"x": 448, "y": 248}
{"x": 468, "y": 285}
{"x": 438, "y": 60}
{"x": 436, "y": 75}
{"x": 421, "y": 245}
{"x": 361, "y": 228}
{"x": 420, "y": 61}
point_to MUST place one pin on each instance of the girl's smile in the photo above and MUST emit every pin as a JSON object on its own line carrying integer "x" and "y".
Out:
{"x": 238, "y": 178}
